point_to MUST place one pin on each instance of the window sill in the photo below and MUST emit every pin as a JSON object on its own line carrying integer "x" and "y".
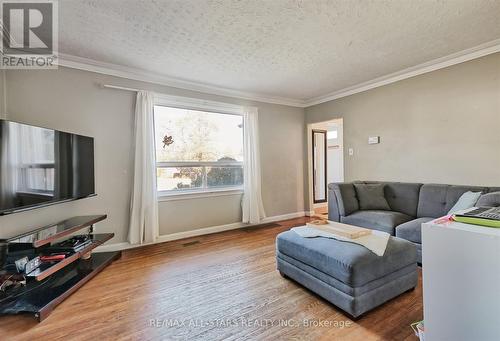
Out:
{"x": 187, "y": 195}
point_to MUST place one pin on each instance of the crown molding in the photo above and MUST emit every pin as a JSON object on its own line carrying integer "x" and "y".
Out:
{"x": 433, "y": 65}
{"x": 116, "y": 70}
{"x": 110, "y": 69}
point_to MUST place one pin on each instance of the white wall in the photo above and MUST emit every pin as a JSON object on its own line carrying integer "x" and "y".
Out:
{"x": 71, "y": 100}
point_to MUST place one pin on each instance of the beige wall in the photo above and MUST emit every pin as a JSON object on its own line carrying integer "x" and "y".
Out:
{"x": 441, "y": 127}
{"x": 71, "y": 100}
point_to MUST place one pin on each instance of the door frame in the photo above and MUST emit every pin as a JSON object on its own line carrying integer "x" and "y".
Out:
{"x": 310, "y": 205}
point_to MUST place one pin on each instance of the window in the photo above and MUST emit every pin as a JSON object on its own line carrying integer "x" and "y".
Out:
{"x": 332, "y": 134}
{"x": 197, "y": 151}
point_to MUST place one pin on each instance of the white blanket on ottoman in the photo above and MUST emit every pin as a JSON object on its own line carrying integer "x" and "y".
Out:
{"x": 376, "y": 242}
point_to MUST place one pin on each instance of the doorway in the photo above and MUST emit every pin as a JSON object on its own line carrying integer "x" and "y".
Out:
{"x": 326, "y": 165}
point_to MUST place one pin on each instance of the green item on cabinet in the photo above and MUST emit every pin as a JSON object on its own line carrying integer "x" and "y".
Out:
{"x": 477, "y": 221}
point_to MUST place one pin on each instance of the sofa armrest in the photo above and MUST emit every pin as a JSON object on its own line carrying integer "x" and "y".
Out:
{"x": 333, "y": 207}
{"x": 342, "y": 200}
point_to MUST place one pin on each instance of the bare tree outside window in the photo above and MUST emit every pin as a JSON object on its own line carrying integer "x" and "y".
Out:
{"x": 206, "y": 152}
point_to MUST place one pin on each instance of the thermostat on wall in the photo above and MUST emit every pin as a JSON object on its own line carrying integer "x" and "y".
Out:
{"x": 374, "y": 140}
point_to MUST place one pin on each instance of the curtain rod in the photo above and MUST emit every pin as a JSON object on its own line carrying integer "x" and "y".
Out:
{"x": 188, "y": 100}
{"x": 118, "y": 87}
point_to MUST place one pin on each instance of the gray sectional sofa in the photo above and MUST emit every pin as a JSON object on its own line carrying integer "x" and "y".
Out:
{"x": 410, "y": 205}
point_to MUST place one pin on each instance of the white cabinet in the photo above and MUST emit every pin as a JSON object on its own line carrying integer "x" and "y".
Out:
{"x": 461, "y": 278}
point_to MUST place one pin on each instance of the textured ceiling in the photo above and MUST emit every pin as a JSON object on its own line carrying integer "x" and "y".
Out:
{"x": 287, "y": 48}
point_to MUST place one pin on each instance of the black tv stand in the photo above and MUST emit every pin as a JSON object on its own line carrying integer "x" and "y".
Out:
{"x": 50, "y": 284}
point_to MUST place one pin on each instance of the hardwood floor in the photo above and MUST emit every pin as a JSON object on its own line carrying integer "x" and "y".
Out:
{"x": 213, "y": 287}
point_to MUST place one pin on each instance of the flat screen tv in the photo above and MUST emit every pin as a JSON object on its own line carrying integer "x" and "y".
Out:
{"x": 40, "y": 167}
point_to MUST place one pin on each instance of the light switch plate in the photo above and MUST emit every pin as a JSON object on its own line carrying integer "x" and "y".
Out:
{"x": 351, "y": 152}
{"x": 374, "y": 140}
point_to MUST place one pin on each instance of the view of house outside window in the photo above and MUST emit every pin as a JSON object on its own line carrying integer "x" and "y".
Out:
{"x": 197, "y": 150}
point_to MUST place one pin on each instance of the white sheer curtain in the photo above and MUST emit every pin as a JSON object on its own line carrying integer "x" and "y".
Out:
{"x": 144, "y": 204}
{"x": 253, "y": 209}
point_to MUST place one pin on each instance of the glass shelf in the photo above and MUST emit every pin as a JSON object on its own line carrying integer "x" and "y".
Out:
{"x": 47, "y": 269}
{"x": 47, "y": 234}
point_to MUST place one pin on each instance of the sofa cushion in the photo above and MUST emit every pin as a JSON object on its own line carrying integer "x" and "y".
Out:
{"x": 349, "y": 263}
{"x": 412, "y": 230}
{"x": 436, "y": 200}
{"x": 403, "y": 197}
{"x": 432, "y": 201}
{"x": 346, "y": 198}
{"x": 371, "y": 197}
{"x": 490, "y": 200}
{"x": 377, "y": 220}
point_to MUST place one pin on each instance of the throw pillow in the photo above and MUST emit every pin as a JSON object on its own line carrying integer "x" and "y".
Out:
{"x": 371, "y": 197}
{"x": 467, "y": 200}
{"x": 489, "y": 200}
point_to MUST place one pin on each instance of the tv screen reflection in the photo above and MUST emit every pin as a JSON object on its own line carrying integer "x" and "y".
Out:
{"x": 40, "y": 166}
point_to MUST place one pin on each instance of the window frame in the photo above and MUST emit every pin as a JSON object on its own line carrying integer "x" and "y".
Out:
{"x": 207, "y": 106}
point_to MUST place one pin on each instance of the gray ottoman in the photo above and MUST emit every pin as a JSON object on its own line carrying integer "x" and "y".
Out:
{"x": 346, "y": 274}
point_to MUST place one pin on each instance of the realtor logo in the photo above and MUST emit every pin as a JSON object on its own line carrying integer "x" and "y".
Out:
{"x": 29, "y": 34}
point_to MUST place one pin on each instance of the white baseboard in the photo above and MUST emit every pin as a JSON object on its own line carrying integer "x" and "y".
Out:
{"x": 283, "y": 217}
{"x": 200, "y": 232}
{"x": 114, "y": 247}
{"x": 197, "y": 232}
